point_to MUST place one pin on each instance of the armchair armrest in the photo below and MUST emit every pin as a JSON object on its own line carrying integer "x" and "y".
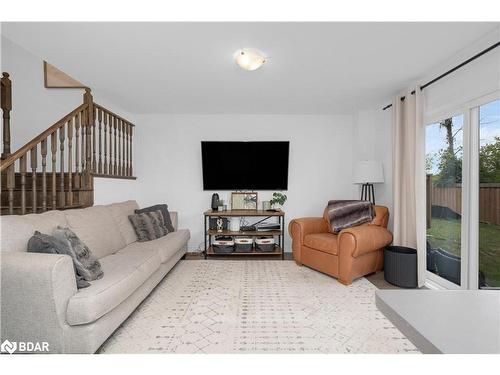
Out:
{"x": 35, "y": 291}
{"x": 363, "y": 239}
{"x": 299, "y": 228}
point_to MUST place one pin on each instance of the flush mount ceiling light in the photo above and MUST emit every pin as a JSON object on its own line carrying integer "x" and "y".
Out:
{"x": 249, "y": 58}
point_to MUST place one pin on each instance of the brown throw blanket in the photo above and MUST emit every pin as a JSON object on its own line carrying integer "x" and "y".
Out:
{"x": 348, "y": 213}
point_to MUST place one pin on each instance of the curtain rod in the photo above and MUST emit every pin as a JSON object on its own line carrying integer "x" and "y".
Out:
{"x": 451, "y": 70}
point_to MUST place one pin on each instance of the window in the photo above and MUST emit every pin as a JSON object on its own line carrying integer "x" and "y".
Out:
{"x": 443, "y": 162}
{"x": 489, "y": 195}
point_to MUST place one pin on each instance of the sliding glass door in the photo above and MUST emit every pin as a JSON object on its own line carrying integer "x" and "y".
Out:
{"x": 489, "y": 195}
{"x": 462, "y": 163}
{"x": 443, "y": 160}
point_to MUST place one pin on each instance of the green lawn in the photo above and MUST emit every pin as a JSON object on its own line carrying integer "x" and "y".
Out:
{"x": 446, "y": 235}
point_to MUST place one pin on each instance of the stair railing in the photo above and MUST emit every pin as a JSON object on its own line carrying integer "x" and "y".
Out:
{"x": 76, "y": 151}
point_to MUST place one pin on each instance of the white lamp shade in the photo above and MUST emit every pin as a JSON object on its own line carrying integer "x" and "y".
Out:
{"x": 368, "y": 172}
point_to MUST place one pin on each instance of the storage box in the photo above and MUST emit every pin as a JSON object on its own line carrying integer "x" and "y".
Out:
{"x": 243, "y": 245}
{"x": 264, "y": 244}
{"x": 223, "y": 245}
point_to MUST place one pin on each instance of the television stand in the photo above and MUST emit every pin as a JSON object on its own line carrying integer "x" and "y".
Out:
{"x": 280, "y": 233}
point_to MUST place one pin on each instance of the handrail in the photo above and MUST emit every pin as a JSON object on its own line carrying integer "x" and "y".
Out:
{"x": 28, "y": 146}
{"x": 113, "y": 114}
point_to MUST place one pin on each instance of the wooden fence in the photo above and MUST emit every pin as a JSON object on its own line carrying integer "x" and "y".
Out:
{"x": 451, "y": 197}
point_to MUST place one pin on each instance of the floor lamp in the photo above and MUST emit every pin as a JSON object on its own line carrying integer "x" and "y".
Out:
{"x": 367, "y": 173}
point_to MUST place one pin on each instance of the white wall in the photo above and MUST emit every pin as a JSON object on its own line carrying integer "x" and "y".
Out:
{"x": 34, "y": 108}
{"x": 168, "y": 161}
{"x": 372, "y": 140}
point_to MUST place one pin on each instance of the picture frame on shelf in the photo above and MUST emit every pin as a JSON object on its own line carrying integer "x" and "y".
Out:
{"x": 244, "y": 201}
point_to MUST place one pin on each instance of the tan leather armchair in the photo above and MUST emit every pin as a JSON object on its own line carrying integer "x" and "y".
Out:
{"x": 352, "y": 253}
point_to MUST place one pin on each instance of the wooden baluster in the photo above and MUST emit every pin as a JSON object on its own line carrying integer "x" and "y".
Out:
{"x": 62, "y": 196}
{"x": 44, "y": 174}
{"x": 115, "y": 121}
{"x": 33, "y": 155}
{"x": 53, "y": 149}
{"x": 6, "y": 105}
{"x": 89, "y": 120}
{"x": 83, "y": 121}
{"x": 70, "y": 162}
{"x": 124, "y": 125}
{"x": 77, "y": 151}
{"x": 126, "y": 150}
{"x": 22, "y": 168}
{"x": 99, "y": 168}
{"x": 119, "y": 171}
{"x": 131, "y": 133}
{"x": 11, "y": 175}
{"x": 105, "y": 143}
{"x": 88, "y": 144}
{"x": 111, "y": 120}
{"x": 119, "y": 125}
{"x": 94, "y": 160}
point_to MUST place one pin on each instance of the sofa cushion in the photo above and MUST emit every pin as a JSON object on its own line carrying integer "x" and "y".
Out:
{"x": 124, "y": 272}
{"x": 96, "y": 227}
{"x": 165, "y": 246}
{"x": 325, "y": 242}
{"x": 120, "y": 213}
{"x": 17, "y": 229}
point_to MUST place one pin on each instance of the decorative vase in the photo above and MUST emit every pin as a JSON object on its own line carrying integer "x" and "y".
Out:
{"x": 234, "y": 224}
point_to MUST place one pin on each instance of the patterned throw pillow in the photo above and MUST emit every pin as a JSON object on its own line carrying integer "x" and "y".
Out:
{"x": 164, "y": 211}
{"x": 85, "y": 263}
{"x": 85, "y": 266}
{"x": 148, "y": 226}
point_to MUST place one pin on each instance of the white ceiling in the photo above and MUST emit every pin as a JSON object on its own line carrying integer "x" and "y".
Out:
{"x": 313, "y": 68}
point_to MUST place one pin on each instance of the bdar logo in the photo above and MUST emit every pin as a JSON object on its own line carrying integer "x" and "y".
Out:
{"x": 8, "y": 347}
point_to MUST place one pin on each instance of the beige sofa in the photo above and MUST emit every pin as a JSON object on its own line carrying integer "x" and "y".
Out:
{"x": 40, "y": 301}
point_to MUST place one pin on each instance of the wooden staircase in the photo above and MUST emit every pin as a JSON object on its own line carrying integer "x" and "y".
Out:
{"x": 56, "y": 169}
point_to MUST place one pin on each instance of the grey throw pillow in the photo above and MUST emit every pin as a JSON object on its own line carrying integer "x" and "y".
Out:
{"x": 148, "y": 226}
{"x": 86, "y": 264}
{"x": 46, "y": 244}
{"x": 164, "y": 212}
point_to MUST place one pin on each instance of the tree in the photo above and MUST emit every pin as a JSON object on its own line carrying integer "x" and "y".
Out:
{"x": 450, "y": 168}
{"x": 489, "y": 162}
{"x": 449, "y": 164}
{"x": 448, "y": 125}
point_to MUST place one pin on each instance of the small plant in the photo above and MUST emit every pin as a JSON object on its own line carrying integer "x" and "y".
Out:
{"x": 278, "y": 198}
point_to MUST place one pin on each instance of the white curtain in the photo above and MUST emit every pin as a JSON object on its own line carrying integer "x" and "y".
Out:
{"x": 409, "y": 175}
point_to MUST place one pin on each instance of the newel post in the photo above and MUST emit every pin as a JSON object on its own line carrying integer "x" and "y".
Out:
{"x": 87, "y": 99}
{"x": 6, "y": 104}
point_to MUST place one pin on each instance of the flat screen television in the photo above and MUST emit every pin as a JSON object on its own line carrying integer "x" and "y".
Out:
{"x": 245, "y": 165}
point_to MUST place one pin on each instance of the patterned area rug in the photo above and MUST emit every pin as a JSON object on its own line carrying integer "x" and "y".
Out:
{"x": 214, "y": 306}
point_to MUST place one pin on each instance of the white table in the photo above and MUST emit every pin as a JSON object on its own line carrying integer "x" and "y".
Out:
{"x": 461, "y": 321}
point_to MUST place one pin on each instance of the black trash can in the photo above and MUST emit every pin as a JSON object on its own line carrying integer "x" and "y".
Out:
{"x": 400, "y": 266}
